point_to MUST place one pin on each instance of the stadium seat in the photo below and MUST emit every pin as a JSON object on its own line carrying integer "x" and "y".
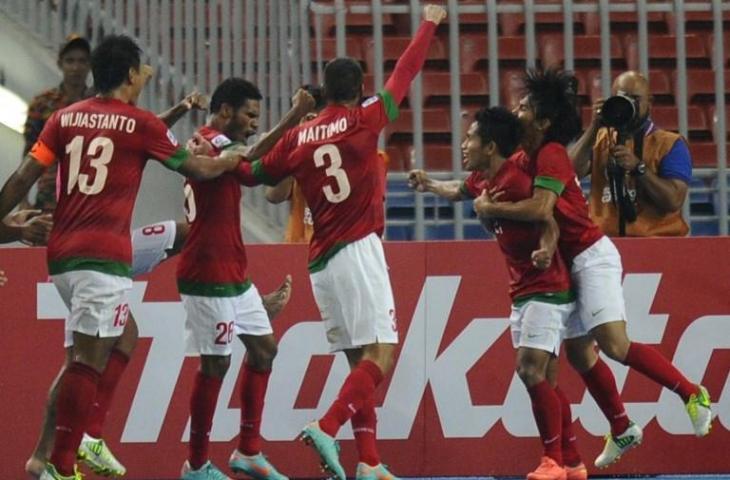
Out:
{"x": 511, "y": 87}
{"x": 513, "y": 24}
{"x": 396, "y": 159}
{"x": 437, "y": 157}
{"x": 474, "y": 52}
{"x": 663, "y": 51}
{"x": 659, "y": 86}
{"x": 711, "y": 118}
{"x": 667, "y": 117}
{"x": 437, "y": 88}
{"x": 623, "y": 21}
{"x": 695, "y": 22}
{"x": 355, "y": 23}
{"x": 701, "y": 85}
{"x": 329, "y": 50}
{"x": 393, "y": 47}
{"x": 586, "y": 51}
{"x": 436, "y": 126}
{"x": 705, "y": 228}
{"x": 704, "y": 154}
{"x": 710, "y": 44}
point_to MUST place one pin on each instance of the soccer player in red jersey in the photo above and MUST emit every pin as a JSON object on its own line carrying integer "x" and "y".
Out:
{"x": 334, "y": 159}
{"x": 102, "y": 145}
{"x": 551, "y": 121}
{"x": 220, "y": 300}
{"x": 542, "y": 299}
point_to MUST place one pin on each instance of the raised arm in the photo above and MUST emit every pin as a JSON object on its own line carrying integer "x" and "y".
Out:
{"x": 581, "y": 151}
{"x": 192, "y": 101}
{"x": 451, "y": 190}
{"x": 302, "y": 104}
{"x": 413, "y": 58}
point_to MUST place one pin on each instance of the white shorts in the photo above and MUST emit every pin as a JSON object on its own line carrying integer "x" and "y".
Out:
{"x": 150, "y": 244}
{"x": 149, "y": 247}
{"x": 97, "y": 303}
{"x": 354, "y": 296}
{"x": 596, "y": 276}
{"x": 212, "y": 323}
{"x": 539, "y": 325}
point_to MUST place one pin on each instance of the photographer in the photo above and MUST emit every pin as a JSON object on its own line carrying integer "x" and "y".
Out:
{"x": 639, "y": 172}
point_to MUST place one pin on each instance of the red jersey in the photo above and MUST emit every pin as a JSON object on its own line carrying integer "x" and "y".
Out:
{"x": 553, "y": 170}
{"x": 213, "y": 260}
{"x": 518, "y": 240}
{"x": 334, "y": 159}
{"x": 102, "y": 146}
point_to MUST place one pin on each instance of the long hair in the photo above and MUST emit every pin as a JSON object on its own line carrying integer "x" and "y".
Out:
{"x": 552, "y": 95}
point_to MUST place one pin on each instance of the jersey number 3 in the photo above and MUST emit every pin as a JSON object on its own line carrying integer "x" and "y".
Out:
{"x": 334, "y": 170}
{"x": 100, "y": 154}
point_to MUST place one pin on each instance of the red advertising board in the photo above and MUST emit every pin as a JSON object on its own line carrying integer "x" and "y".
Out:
{"x": 452, "y": 405}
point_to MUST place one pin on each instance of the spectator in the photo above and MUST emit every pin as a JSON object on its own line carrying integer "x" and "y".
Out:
{"x": 74, "y": 62}
{"x": 655, "y": 163}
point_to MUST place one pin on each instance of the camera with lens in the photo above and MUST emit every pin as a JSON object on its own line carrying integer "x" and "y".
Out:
{"x": 620, "y": 112}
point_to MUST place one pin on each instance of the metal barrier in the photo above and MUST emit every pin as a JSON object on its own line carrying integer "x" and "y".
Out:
{"x": 195, "y": 44}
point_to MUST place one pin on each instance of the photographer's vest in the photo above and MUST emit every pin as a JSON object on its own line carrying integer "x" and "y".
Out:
{"x": 650, "y": 221}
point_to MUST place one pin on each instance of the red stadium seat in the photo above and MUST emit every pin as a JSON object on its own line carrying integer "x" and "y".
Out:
{"x": 710, "y": 44}
{"x": 659, "y": 86}
{"x": 474, "y": 52}
{"x": 663, "y": 51}
{"x": 355, "y": 23}
{"x": 437, "y": 157}
{"x": 393, "y": 47}
{"x": 437, "y": 88}
{"x": 586, "y": 50}
{"x": 511, "y": 88}
{"x": 696, "y": 21}
{"x": 711, "y": 117}
{"x": 329, "y": 49}
{"x": 667, "y": 117}
{"x": 704, "y": 154}
{"x": 623, "y": 21}
{"x": 396, "y": 159}
{"x": 701, "y": 85}
{"x": 436, "y": 126}
{"x": 513, "y": 24}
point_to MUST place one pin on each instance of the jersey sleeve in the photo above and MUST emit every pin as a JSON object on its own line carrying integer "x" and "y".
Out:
{"x": 677, "y": 164}
{"x": 161, "y": 144}
{"x": 46, "y": 149}
{"x": 379, "y": 110}
{"x": 553, "y": 169}
{"x": 272, "y": 168}
{"x": 470, "y": 186}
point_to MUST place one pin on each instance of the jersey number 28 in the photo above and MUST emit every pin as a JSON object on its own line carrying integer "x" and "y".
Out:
{"x": 334, "y": 170}
{"x": 100, "y": 154}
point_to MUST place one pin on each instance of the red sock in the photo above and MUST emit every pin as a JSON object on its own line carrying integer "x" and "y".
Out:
{"x": 75, "y": 395}
{"x": 547, "y": 410}
{"x": 359, "y": 386}
{"x": 571, "y": 457}
{"x": 647, "y": 360}
{"x": 118, "y": 361}
{"x": 364, "y": 424}
{"x": 601, "y": 385}
{"x": 202, "y": 408}
{"x": 252, "y": 391}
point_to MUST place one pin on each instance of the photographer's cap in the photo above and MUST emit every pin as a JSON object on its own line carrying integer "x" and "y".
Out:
{"x": 72, "y": 42}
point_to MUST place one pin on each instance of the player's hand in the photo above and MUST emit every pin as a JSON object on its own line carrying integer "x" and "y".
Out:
{"x": 36, "y": 230}
{"x": 275, "y": 301}
{"x": 625, "y": 158}
{"x": 596, "y": 112}
{"x": 195, "y": 101}
{"x": 18, "y": 218}
{"x": 303, "y": 102}
{"x": 542, "y": 258}
{"x": 198, "y": 145}
{"x": 483, "y": 204}
{"x": 434, "y": 13}
{"x": 418, "y": 180}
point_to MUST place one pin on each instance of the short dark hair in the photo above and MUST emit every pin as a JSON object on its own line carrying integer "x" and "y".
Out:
{"x": 111, "y": 61}
{"x": 316, "y": 92}
{"x": 552, "y": 94}
{"x": 342, "y": 80}
{"x": 499, "y": 125}
{"x": 234, "y": 91}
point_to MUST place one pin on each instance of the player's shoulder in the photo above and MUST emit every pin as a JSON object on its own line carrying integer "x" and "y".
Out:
{"x": 217, "y": 138}
{"x": 372, "y": 100}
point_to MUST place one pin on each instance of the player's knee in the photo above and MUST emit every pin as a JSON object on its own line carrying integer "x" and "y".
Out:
{"x": 529, "y": 373}
{"x": 615, "y": 350}
{"x": 263, "y": 356}
{"x": 215, "y": 365}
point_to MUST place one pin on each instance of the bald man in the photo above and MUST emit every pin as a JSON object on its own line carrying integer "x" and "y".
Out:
{"x": 657, "y": 163}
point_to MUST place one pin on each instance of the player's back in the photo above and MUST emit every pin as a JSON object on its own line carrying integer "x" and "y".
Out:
{"x": 102, "y": 146}
{"x": 338, "y": 169}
